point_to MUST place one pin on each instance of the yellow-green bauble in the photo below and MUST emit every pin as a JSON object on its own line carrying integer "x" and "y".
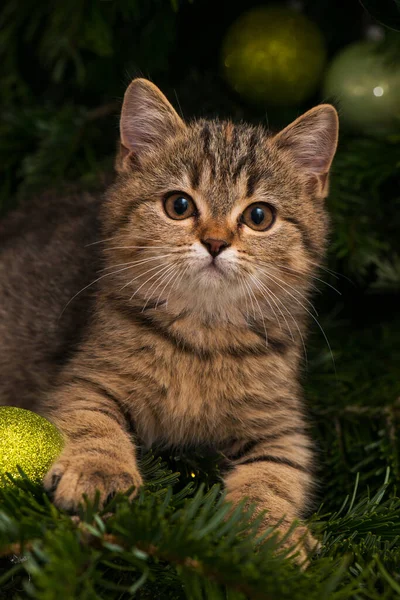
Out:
{"x": 273, "y": 56}
{"x": 27, "y": 440}
{"x": 366, "y": 86}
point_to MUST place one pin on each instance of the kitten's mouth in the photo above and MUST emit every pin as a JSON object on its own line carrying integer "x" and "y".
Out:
{"x": 212, "y": 267}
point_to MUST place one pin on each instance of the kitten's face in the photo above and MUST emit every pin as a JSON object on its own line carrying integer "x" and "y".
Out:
{"x": 215, "y": 217}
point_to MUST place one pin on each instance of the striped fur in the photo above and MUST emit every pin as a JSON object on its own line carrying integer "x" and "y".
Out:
{"x": 178, "y": 354}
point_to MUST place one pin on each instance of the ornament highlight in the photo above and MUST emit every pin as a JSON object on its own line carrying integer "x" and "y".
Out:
{"x": 273, "y": 55}
{"x": 27, "y": 440}
{"x": 366, "y": 87}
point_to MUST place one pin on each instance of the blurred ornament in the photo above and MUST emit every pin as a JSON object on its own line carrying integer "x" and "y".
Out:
{"x": 27, "y": 440}
{"x": 366, "y": 87}
{"x": 273, "y": 55}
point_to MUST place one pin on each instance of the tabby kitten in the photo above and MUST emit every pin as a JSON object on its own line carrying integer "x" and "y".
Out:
{"x": 210, "y": 236}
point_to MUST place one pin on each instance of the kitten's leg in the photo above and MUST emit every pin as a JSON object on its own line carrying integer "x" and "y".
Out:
{"x": 98, "y": 453}
{"x": 275, "y": 474}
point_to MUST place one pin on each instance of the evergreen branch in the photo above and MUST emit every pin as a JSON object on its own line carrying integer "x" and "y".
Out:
{"x": 195, "y": 565}
{"x": 189, "y": 532}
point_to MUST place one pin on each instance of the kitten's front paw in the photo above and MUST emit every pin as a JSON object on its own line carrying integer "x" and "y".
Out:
{"x": 302, "y": 545}
{"x": 72, "y": 476}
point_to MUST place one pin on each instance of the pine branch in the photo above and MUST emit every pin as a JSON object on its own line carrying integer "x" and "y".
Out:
{"x": 134, "y": 546}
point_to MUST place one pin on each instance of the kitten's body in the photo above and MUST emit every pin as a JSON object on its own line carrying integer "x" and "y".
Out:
{"x": 44, "y": 260}
{"x": 185, "y": 347}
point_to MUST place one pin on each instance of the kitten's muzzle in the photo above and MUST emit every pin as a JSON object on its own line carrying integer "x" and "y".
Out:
{"x": 214, "y": 246}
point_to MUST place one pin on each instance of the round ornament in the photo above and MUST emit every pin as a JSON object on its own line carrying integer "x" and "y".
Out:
{"x": 27, "y": 440}
{"x": 366, "y": 87}
{"x": 273, "y": 55}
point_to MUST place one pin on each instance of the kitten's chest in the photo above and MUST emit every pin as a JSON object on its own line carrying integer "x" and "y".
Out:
{"x": 187, "y": 399}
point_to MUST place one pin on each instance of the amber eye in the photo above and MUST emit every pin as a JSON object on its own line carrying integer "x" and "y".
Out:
{"x": 179, "y": 206}
{"x": 259, "y": 216}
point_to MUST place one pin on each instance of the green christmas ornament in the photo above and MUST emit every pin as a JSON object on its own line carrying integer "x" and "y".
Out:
{"x": 366, "y": 87}
{"x": 27, "y": 440}
{"x": 273, "y": 55}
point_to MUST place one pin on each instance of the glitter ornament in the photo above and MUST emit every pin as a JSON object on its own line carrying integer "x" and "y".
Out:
{"x": 27, "y": 440}
{"x": 366, "y": 87}
{"x": 273, "y": 55}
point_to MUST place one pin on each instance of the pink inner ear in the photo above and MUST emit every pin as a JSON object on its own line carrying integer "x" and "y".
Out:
{"x": 147, "y": 118}
{"x": 312, "y": 139}
{"x": 318, "y": 165}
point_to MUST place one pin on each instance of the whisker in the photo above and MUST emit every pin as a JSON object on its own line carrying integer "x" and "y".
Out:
{"x": 141, "y": 248}
{"x": 276, "y": 279}
{"x": 100, "y": 242}
{"x": 311, "y": 315}
{"x": 241, "y": 277}
{"x": 258, "y": 282}
{"x": 264, "y": 288}
{"x": 178, "y": 273}
{"x": 163, "y": 275}
{"x": 250, "y": 297}
{"x": 298, "y": 274}
{"x": 334, "y": 274}
{"x": 90, "y": 284}
{"x": 138, "y": 262}
{"x": 148, "y": 279}
{"x": 128, "y": 283}
{"x": 294, "y": 321}
{"x": 261, "y": 314}
{"x": 176, "y": 283}
{"x": 174, "y": 274}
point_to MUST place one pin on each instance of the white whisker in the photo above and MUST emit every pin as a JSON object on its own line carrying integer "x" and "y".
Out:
{"x": 171, "y": 248}
{"x": 257, "y": 283}
{"x": 334, "y": 274}
{"x": 100, "y": 242}
{"x": 276, "y": 279}
{"x": 260, "y": 311}
{"x": 138, "y": 262}
{"x": 161, "y": 277}
{"x": 272, "y": 295}
{"x": 90, "y": 284}
{"x": 172, "y": 275}
{"x": 308, "y": 312}
{"x": 294, "y": 321}
{"x": 176, "y": 283}
{"x": 241, "y": 277}
{"x": 149, "y": 278}
{"x": 301, "y": 274}
{"x": 250, "y": 297}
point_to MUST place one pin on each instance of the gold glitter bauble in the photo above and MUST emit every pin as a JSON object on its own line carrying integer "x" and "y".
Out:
{"x": 273, "y": 55}
{"x": 27, "y": 440}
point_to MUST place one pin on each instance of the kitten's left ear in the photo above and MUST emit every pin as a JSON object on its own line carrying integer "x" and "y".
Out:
{"x": 312, "y": 140}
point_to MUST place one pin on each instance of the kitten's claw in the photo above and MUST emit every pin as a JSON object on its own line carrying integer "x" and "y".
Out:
{"x": 55, "y": 480}
{"x": 72, "y": 476}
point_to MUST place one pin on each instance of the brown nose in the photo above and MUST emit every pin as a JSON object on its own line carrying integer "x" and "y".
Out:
{"x": 214, "y": 247}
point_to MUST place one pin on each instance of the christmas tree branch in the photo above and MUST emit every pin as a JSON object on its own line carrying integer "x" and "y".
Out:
{"x": 195, "y": 565}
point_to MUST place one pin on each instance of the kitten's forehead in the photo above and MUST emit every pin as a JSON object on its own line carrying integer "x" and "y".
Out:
{"x": 228, "y": 161}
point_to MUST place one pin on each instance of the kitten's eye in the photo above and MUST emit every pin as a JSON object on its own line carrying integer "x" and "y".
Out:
{"x": 259, "y": 216}
{"x": 179, "y": 206}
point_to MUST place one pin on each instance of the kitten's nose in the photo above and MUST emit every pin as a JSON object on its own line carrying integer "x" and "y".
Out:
{"x": 214, "y": 247}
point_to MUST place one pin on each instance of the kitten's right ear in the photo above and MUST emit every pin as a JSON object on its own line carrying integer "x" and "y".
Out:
{"x": 147, "y": 119}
